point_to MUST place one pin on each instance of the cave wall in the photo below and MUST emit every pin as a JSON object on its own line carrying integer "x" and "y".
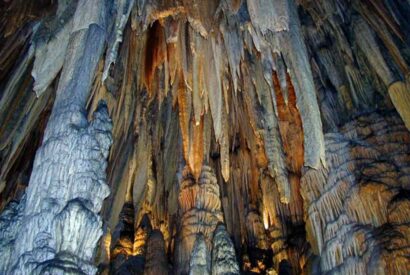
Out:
{"x": 356, "y": 207}
{"x": 234, "y": 136}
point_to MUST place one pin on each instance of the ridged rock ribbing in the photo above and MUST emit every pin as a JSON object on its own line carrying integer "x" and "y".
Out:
{"x": 223, "y": 253}
{"x": 200, "y": 210}
{"x": 58, "y": 227}
{"x": 358, "y": 209}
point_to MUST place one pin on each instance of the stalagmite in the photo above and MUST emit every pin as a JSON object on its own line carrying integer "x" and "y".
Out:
{"x": 58, "y": 226}
{"x": 346, "y": 206}
{"x": 200, "y": 210}
{"x": 200, "y": 262}
{"x": 223, "y": 253}
{"x": 156, "y": 261}
{"x": 204, "y": 137}
{"x": 125, "y": 243}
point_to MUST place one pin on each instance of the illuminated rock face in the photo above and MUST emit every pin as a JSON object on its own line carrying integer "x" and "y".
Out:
{"x": 200, "y": 210}
{"x": 357, "y": 208}
{"x": 57, "y": 226}
{"x": 223, "y": 253}
{"x": 237, "y": 136}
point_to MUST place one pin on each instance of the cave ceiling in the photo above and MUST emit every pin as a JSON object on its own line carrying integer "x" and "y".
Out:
{"x": 204, "y": 137}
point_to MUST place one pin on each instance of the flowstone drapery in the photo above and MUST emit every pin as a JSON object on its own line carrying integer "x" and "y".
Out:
{"x": 57, "y": 227}
{"x": 212, "y": 137}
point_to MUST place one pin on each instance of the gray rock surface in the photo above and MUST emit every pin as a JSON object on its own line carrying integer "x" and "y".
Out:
{"x": 223, "y": 253}
{"x": 55, "y": 229}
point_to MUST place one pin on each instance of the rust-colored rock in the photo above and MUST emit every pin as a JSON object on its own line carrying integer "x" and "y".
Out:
{"x": 269, "y": 131}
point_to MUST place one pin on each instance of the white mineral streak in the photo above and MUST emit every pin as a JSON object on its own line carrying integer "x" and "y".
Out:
{"x": 50, "y": 55}
{"x": 57, "y": 227}
{"x": 123, "y": 8}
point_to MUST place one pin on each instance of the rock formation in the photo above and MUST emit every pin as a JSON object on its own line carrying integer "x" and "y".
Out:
{"x": 200, "y": 210}
{"x": 211, "y": 137}
{"x": 223, "y": 253}
{"x": 356, "y": 207}
{"x": 200, "y": 259}
{"x": 156, "y": 261}
{"x": 57, "y": 225}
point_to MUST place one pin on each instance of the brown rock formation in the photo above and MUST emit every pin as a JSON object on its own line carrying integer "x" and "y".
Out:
{"x": 200, "y": 210}
{"x": 274, "y": 130}
{"x": 156, "y": 262}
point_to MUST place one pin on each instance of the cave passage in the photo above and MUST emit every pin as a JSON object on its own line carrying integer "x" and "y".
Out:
{"x": 204, "y": 137}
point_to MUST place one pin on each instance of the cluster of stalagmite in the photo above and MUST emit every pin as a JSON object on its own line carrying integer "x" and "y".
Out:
{"x": 198, "y": 239}
{"x": 265, "y": 136}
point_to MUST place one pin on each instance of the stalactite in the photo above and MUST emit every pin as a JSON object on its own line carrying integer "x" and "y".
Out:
{"x": 123, "y": 9}
{"x": 218, "y": 150}
{"x": 295, "y": 55}
{"x": 365, "y": 38}
{"x": 192, "y": 134}
{"x": 49, "y": 55}
{"x": 224, "y": 145}
{"x": 214, "y": 87}
{"x": 400, "y": 96}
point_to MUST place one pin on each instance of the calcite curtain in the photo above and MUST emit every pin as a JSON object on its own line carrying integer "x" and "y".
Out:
{"x": 204, "y": 137}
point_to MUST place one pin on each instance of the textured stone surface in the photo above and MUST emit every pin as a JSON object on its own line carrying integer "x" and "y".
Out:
{"x": 156, "y": 261}
{"x": 200, "y": 210}
{"x": 357, "y": 208}
{"x": 57, "y": 226}
{"x": 242, "y": 94}
{"x": 200, "y": 262}
{"x": 223, "y": 253}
